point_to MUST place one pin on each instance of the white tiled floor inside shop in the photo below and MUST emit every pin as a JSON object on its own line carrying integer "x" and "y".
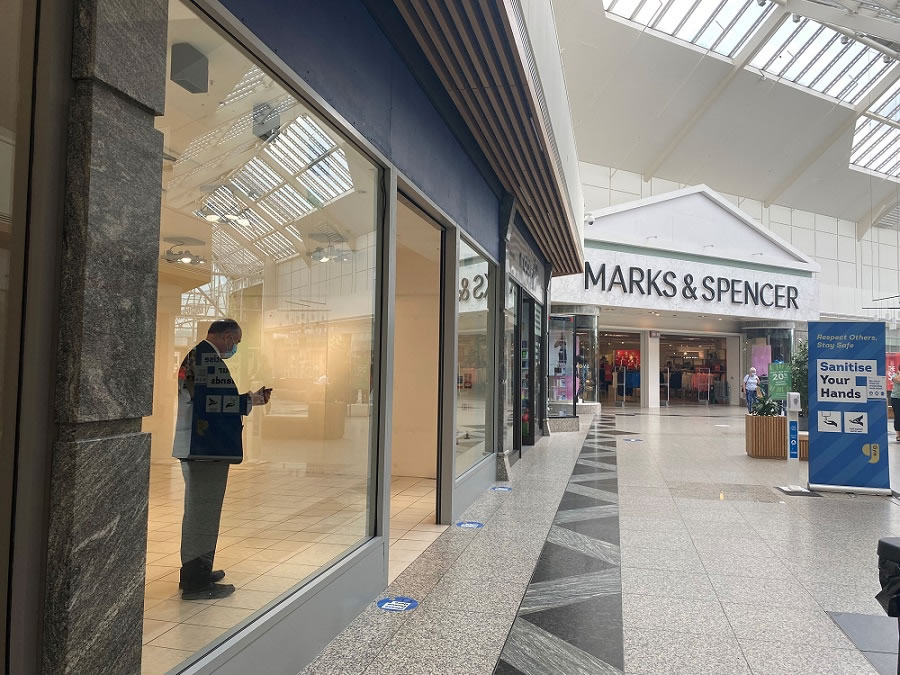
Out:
{"x": 279, "y": 526}
{"x": 723, "y": 575}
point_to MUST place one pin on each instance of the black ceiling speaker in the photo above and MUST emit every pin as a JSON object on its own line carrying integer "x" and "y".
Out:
{"x": 266, "y": 121}
{"x": 190, "y": 68}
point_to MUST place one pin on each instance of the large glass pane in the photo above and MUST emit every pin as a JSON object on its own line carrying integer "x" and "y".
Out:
{"x": 473, "y": 403}
{"x": 562, "y": 384}
{"x": 587, "y": 360}
{"x": 269, "y": 219}
{"x": 509, "y": 370}
{"x": 17, "y": 36}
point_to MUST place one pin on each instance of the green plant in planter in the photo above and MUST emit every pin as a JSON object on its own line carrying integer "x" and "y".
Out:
{"x": 800, "y": 375}
{"x": 766, "y": 406}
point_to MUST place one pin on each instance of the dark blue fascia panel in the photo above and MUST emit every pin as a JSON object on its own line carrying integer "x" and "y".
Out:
{"x": 526, "y": 235}
{"x": 339, "y": 50}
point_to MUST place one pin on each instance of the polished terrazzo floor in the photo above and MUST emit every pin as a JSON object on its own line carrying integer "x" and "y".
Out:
{"x": 720, "y": 573}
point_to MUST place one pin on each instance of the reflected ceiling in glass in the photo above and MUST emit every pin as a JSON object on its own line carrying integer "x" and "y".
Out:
{"x": 721, "y": 26}
{"x": 821, "y": 59}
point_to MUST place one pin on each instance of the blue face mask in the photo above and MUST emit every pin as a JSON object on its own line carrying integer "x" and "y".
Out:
{"x": 231, "y": 352}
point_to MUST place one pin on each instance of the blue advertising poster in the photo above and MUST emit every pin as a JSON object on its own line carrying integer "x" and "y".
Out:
{"x": 848, "y": 446}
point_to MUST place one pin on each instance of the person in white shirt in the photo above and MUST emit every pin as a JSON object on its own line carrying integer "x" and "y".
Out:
{"x": 750, "y": 386}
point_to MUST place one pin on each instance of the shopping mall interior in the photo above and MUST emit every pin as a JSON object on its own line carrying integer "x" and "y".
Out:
{"x": 521, "y": 337}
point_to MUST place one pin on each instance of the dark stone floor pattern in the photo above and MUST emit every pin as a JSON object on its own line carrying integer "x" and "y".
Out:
{"x": 570, "y": 620}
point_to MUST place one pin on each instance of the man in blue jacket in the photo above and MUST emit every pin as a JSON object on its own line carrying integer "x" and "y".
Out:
{"x": 208, "y": 437}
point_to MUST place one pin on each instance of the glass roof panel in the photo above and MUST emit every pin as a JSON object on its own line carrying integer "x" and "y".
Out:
{"x": 845, "y": 72}
{"x": 720, "y": 25}
{"x": 876, "y": 147}
{"x": 888, "y": 105}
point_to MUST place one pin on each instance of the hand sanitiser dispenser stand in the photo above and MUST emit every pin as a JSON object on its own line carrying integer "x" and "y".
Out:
{"x": 793, "y": 440}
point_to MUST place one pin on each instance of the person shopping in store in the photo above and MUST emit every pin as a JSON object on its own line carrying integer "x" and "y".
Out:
{"x": 749, "y": 387}
{"x": 895, "y": 403}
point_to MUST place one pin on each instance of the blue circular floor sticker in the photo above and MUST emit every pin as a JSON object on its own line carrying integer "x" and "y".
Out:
{"x": 501, "y": 488}
{"x": 398, "y": 604}
{"x": 469, "y": 524}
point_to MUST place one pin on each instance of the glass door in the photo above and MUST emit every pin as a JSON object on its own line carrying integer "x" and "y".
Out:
{"x": 526, "y": 382}
{"x": 539, "y": 404}
{"x": 510, "y": 368}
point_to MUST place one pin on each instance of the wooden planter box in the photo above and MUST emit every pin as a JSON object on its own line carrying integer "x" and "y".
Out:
{"x": 766, "y": 437}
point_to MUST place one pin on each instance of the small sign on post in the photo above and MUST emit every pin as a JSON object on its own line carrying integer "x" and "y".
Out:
{"x": 779, "y": 380}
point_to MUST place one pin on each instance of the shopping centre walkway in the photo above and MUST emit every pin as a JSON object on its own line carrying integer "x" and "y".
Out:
{"x": 720, "y": 573}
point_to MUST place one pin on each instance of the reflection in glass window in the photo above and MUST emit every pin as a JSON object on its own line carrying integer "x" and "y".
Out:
{"x": 269, "y": 219}
{"x": 473, "y": 401}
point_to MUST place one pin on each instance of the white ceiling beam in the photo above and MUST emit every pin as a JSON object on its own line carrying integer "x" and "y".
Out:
{"x": 803, "y": 166}
{"x": 741, "y": 59}
{"x": 875, "y": 214}
{"x": 858, "y": 23}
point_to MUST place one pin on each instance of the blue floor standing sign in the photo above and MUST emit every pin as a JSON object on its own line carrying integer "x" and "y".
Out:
{"x": 848, "y": 445}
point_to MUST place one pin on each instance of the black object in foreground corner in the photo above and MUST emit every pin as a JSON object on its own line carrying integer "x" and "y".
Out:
{"x": 889, "y": 576}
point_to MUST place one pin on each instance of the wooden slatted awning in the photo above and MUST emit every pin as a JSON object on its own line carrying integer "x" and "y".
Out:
{"x": 481, "y": 53}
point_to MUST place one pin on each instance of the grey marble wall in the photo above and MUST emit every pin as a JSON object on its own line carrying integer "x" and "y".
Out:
{"x": 100, "y": 472}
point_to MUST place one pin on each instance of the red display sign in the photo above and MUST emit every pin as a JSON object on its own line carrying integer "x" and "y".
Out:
{"x": 630, "y": 358}
{"x": 891, "y": 367}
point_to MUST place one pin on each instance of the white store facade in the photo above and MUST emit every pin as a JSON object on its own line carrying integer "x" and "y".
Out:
{"x": 681, "y": 293}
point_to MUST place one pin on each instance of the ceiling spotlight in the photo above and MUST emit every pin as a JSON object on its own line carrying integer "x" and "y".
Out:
{"x": 886, "y": 58}
{"x": 844, "y": 39}
{"x": 761, "y": 3}
{"x": 796, "y": 18}
{"x": 185, "y": 257}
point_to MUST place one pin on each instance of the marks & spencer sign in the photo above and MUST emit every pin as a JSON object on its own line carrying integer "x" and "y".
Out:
{"x": 667, "y": 284}
{"x": 631, "y": 280}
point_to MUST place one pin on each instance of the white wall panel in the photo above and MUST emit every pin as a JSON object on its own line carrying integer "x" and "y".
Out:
{"x": 625, "y": 181}
{"x": 826, "y": 245}
{"x": 803, "y": 219}
{"x": 826, "y": 224}
{"x": 803, "y": 239}
{"x": 847, "y": 275}
{"x": 846, "y": 249}
{"x": 829, "y": 273}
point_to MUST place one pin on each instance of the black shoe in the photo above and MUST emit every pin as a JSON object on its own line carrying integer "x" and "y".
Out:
{"x": 214, "y": 576}
{"x": 211, "y": 591}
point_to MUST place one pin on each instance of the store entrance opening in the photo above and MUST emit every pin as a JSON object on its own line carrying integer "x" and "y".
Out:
{"x": 693, "y": 370}
{"x": 618, "y": 358}
{"x": 415, "y": 431}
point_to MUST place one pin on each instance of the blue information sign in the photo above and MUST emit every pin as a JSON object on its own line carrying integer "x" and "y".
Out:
{"x": 793, "y": 437}
{"x": 847, "y": 408}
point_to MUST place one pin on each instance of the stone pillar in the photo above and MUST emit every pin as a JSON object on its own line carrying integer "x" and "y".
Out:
{"x": 100, "y": 468}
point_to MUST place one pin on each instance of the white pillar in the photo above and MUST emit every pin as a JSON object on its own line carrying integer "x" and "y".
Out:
{"x": 649, "y": 370}
{"x": 733, "y": 366}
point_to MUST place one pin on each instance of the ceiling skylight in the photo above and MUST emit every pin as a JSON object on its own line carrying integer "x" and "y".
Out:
{"x": 819, "y": 58}
{"x": 876, "y": 140}
{"x": 722, "y": 26}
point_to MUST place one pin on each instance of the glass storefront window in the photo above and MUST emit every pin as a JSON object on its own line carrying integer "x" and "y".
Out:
{"x": 269, "y": 219}
{"x": 473, "y": 399}
{"x": 560, "y": 401}
{"x": 587, "y": 360}
{"x": 509, "y": 358}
